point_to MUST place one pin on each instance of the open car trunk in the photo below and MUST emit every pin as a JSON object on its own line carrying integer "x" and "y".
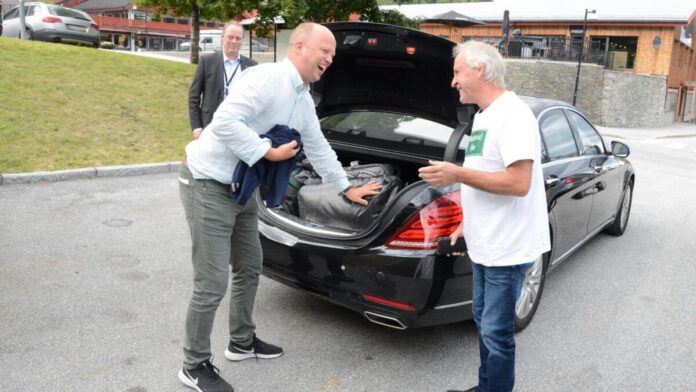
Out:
{"x": 317, "y": 205}
{"x": 385, "y": 106}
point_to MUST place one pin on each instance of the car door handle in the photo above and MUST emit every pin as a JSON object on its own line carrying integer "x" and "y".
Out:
{"x": 551, "y": 181}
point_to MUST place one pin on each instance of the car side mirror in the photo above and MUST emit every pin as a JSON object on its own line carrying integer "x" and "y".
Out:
{"x": 619, "y": 149}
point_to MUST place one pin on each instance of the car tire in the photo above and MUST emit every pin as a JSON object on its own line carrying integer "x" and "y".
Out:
{"x": 530, "y": 296}
{"x": 618, "y": 226}
{"x": 30, "y": 34}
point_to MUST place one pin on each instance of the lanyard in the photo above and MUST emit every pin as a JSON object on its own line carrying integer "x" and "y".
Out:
{"x": 228, "y": 81}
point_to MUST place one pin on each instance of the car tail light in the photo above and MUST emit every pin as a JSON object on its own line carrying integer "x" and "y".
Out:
{"x": 438, "y": 219}
{"x": 51, "y": 19}
{"x": 388, "y": 302}
{"x": 95, "y": 26}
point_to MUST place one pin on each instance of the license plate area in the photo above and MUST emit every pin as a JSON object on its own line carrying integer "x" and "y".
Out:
{"x": 72, "y": 27}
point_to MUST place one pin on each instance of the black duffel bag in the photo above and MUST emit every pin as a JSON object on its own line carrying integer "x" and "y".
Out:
{"x": 322, "y": 203}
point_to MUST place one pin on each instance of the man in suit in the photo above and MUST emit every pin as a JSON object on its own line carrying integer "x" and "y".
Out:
{"x": 214, "y": 75}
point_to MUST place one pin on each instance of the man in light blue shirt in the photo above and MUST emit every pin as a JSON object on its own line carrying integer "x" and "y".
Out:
{"x": 225, "y": 233}
{"x": 214, "y": 75}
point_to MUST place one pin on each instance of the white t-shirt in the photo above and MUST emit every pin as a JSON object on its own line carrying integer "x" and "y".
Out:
{"x": 502, "y": 230}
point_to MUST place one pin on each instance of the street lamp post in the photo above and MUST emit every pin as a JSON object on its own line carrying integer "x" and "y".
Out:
{"x": 582, "y": 46}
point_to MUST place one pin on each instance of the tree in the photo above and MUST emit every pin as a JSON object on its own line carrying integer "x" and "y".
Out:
{"x": 194, "y": 8}
{"x": 295, "y": 12}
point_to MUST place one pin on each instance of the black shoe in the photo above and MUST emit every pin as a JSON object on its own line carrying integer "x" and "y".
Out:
{"x": 204, "y": 378}
{"x": 257, "y": 349}
{"x": 473, "y": 389}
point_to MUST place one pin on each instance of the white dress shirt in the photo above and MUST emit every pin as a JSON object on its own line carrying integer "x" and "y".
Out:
{"x": 233, "y": 68}
{"x": 262, "y": 97}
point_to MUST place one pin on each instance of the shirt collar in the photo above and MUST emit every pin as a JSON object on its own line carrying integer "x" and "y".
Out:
{"x": 297, "y": 81}
{"x": 228, "y": 59}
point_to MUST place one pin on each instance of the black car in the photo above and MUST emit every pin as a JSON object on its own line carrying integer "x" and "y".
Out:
{"x": 387, "y": 100}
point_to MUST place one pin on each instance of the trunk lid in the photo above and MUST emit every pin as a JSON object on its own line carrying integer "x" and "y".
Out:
{"x": 388, "y": 68}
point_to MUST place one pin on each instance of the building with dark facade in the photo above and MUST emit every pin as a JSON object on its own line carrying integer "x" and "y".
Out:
{"x": 127, "y": 26}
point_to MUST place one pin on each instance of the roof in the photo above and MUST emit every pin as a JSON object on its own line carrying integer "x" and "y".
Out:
{"x": 538, "y": 104}
{"x": 103, "y": 4}
{"x": 635, "y": 11}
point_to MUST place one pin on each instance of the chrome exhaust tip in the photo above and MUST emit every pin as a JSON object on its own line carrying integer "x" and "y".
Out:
{"x": 385, "y": 321}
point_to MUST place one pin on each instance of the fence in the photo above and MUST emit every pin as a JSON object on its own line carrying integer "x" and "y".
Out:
{"x": 556, "y": 48}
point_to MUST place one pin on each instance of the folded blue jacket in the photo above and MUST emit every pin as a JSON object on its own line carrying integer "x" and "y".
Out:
{"x": 274, "y": 175}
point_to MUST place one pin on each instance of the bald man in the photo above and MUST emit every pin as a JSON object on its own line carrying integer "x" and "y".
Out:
{"x": 224, "y": 233}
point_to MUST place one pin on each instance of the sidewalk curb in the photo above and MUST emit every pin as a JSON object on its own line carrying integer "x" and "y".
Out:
{"x": 89, "y": 172}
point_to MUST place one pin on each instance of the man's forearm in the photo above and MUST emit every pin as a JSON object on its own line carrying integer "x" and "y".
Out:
{"x": 514, "y": 180}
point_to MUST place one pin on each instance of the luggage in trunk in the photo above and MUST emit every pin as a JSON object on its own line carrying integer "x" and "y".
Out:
{"x": 322, "y": 203}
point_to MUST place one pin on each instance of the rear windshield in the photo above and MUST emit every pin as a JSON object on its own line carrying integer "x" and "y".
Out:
{"x": 67, "y": 12}
{"x": 388, "y": 127}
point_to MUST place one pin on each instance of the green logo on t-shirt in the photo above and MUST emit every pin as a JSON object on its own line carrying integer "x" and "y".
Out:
{"x": 475, "y": 146}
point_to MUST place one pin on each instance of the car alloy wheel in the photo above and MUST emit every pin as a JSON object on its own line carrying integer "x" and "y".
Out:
{"x": 626, "y": 207}
{"x": 530, "y": 295}
{"x": 618, "y": 226}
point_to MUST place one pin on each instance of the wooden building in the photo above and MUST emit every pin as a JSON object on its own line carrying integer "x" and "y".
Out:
{"x": 644, "y": 37}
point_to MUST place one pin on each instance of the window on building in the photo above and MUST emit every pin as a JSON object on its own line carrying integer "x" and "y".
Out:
{"x": 621, "y": 53}
{"x": 182, "y": 21}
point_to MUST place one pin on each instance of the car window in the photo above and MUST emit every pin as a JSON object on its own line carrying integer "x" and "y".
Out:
{"x": 557, "y": 136}
{"x": 392, "y": 127}
{"x": 67, "y": 12}
{"x": 32, "y": 10}
{"x": 14, "y": 13}
{"x": 591, "y": 142}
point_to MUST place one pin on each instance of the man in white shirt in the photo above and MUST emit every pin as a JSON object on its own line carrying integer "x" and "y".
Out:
{"x": 225, "y": 233}
{"x": 505, "y": 218}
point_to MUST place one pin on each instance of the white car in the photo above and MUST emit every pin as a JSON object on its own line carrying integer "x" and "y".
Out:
{"x": 53, "y": 23}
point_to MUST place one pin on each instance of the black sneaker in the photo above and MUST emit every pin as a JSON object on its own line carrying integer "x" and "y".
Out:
{"x": 257, "y": 349}
{"x": 204, "y": 378}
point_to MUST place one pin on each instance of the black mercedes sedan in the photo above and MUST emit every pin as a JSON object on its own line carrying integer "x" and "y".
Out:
{"x": 387, "y": 102}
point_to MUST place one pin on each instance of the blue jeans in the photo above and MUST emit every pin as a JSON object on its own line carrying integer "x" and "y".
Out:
{"x": 495, "y": 294}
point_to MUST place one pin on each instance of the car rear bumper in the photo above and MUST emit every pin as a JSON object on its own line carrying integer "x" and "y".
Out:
{"x": 436, "y": 290}
{"x": 67, "y": 36}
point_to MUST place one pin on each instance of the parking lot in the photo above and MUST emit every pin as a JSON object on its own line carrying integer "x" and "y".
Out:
{"x": 96, "y": 278}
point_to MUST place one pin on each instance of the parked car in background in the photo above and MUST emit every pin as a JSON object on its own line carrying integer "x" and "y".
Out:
{"x": 387, "y": 100}
{"x": 185, "y": 46}
{"x": 53, "y": 23}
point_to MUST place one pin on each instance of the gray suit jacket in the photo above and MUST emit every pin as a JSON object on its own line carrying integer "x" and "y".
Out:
{"x": 206, "y": 92}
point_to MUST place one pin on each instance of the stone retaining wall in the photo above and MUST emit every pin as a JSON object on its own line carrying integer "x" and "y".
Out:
{"x": 609, "y": 98}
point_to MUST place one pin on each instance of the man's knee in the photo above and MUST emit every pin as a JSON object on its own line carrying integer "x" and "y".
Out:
{"x": 499, "y": 339}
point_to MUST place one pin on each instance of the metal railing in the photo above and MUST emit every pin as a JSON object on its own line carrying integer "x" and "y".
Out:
{"x": 549, "y": 48}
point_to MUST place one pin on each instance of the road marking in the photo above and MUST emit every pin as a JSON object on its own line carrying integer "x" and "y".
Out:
{"x": 676, "y": 146}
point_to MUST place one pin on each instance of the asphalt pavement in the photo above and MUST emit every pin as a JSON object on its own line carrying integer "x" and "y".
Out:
{"x": 95, "y": 277}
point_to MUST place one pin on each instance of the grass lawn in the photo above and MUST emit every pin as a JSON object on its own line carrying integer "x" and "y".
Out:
{"x": 66, "y": 106}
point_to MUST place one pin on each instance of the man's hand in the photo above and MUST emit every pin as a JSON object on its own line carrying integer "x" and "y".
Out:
{"x": 440, "y": 174}
{"x": 282, "y": 152}
{"x": 458, "y": 232}
{"x": 196, "y": 133}
{"x": 357, "y": 195}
